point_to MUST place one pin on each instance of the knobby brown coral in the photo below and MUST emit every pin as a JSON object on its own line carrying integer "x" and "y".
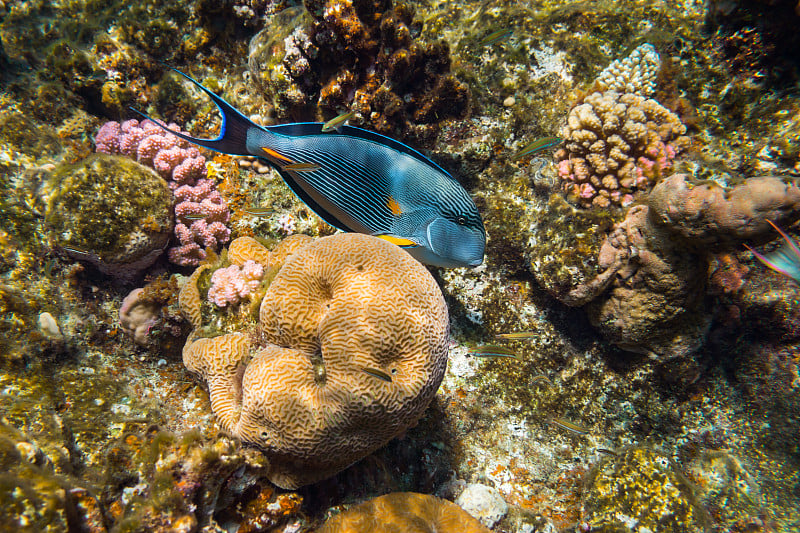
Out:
{"x": 350, "y": 349}
{"x": 359, "y": 56}
{"x": 615, "y": 145}
{"x": 404, "y": 512}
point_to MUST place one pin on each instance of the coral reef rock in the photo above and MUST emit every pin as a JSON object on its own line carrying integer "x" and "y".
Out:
{"x": 640, "y": 490}
{"x": 650, "y": 293}
{"x": 109, "y": 211}
{"x": 404, "y": 511}
{"x": 617, "y": 144}
{"x": 349, "y": 349}
{"x": 358, "y": 56}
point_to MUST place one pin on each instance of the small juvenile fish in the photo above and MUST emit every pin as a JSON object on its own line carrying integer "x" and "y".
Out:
{"x": 496, "y": 36}
{"x": 258, "y": 211}
{"x": 543, "y": 379}
{"x": 75, "y": 251}
{"x": 570, "y": 426}
{"x": 336, "y": 123}
{"x": 380, "y": 374}
{"x": 194, "y": 216}
{"x": 490, "y": 350}
{"x": 302, "y": 167}
{"x": 537, "y": 146}
{"x": 606, "y": 451}
{"x": 517, "y": 336}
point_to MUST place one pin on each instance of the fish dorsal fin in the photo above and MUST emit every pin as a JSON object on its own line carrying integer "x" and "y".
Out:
{"x": 300, "y": 129}
{"x": 232, "y": 137}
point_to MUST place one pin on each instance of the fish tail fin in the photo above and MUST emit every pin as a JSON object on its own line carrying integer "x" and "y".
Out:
{"x": 787, "y": 239}
{"x": 232, "y": 137}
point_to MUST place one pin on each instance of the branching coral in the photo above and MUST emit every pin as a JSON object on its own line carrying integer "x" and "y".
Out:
{"x": 615, "y": 145}
{"x": 200, "y": 212}
{"x": 350, "y": 349}
{"x": 635, "y": 74}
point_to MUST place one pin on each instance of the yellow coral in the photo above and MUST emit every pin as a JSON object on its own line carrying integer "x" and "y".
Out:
{"x": 189, "y": 298}
{"x": 406, "y": 512}
{"x": 341, "y": 312}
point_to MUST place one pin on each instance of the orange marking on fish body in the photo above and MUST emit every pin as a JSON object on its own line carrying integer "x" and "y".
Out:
{"x": 394, "y": 207}
{"x": 272, "y": 153}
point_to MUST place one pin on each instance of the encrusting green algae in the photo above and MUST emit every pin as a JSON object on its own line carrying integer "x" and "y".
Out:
{"x": 654, "y": 384}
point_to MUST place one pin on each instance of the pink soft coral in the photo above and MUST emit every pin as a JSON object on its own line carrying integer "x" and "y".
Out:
{"x": 200, "y": 212}
{"x": 231, "y": 285}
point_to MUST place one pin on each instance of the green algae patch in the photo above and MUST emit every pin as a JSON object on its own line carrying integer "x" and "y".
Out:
{"x": 109, "y": 210}
{"x": 19, "y": 133}
{"x": 640, "y": 489}
{"x": 565, "y": 243}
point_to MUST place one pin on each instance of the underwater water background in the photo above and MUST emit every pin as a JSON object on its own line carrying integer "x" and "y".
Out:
{"x": 625, "y": 358}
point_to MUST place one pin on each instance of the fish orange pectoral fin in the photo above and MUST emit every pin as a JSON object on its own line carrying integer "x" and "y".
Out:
{"x": 399, "y": 241}
{"x": 275, "y": 155}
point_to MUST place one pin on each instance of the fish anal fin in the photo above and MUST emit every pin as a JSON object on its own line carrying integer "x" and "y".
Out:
{"x": 399, "y": 241}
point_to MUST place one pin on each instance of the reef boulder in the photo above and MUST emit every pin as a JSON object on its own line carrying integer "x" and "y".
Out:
{"x": 109, "y": 211}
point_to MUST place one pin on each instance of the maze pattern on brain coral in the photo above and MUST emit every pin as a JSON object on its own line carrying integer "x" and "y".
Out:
{"x": 338, "y": 306}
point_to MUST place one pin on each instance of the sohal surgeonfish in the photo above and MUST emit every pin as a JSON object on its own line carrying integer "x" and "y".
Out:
{"x": 363, "y": 182}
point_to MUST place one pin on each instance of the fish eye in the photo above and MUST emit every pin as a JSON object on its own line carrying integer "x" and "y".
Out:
{"x": 461, "y": 220}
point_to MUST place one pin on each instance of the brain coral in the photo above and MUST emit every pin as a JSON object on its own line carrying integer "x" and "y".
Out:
{"x": 404, "y": 512}
{"x": 110, "y": 211}
{"x": 615, "y": 145}
{"x": 350, "y": 349}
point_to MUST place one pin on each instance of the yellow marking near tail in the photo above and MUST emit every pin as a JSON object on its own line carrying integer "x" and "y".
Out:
{"x": 272, "y": 153}
{"x": 394, "y": 207}
{"x": 399, "y": 241}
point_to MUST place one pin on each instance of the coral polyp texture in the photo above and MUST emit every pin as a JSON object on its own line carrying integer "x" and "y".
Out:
{"x": 635, "y": 74}
{"x": 200, "y": 212}
{"x": 109, "y": 211}
{"x": 651, "y": 295}
{"x": 617, "y": 144}
{"x": 349, "y": 349}
{"x": 358, "y": 56}
{"x": 404, "y": 511}
{"x": 149, "y": 144}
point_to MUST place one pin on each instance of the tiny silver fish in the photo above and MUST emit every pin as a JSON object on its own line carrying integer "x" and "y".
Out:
{"x": 542, "y": 378}
{"x": 570, "y": 426}
{"x": 517, "y": 336}
{"x": 194, "y": 216}
{"x": 302, "y": 167}
{"x": 490, "y": 350}
{"x": 537, "y": 146}
{"x": 380, "y": 374}
{"x": 496, "y": 36}
{"x": 258, "y": 211}
{"x": 336, "y": 123}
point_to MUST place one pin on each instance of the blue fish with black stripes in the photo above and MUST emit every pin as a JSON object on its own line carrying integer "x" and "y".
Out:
{"x": 359, "y": 181}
